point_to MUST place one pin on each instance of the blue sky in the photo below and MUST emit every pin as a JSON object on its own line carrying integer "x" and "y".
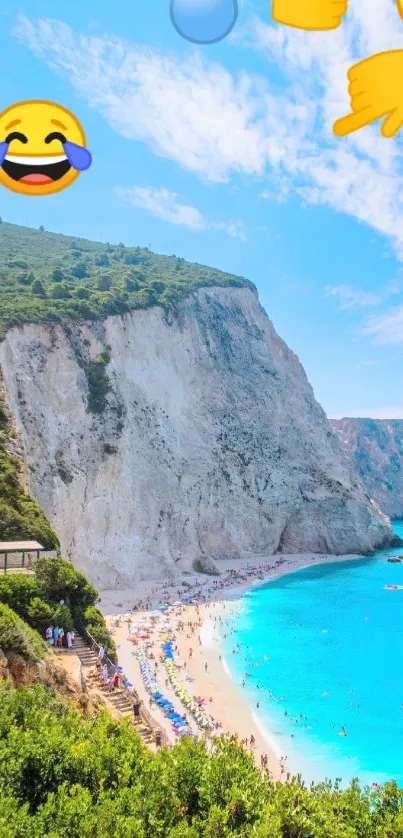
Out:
{"x": 224, "y": 155}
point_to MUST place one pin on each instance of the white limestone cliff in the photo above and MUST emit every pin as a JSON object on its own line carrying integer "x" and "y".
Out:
{"x": 375, "y": 450}
{"x": 211, "y": 444}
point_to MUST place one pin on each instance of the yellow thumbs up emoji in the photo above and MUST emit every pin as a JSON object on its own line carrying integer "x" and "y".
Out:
{"x": 317, "y": 15}
{"x": 376, "y": 91}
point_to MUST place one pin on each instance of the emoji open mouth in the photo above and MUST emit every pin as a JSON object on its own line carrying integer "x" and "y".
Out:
{"x": 34, "y": 171}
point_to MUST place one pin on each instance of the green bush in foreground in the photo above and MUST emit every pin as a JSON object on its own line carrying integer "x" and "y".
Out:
{"x": 17, "y": 638}
{"x": 62, "y": 776}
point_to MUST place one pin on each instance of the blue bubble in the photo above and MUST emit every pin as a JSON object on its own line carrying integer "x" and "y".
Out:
{"x": 3, "y": 152}
{"x": 204, "y": 21}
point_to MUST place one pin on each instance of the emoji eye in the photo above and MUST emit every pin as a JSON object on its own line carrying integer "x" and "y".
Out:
{"x": 15, "y": 135}
{"x": 55, "y": 135}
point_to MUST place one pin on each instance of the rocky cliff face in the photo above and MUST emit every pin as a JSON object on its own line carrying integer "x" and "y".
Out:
{"x": 203, "y": 440}
{"x": 375, "y": 449}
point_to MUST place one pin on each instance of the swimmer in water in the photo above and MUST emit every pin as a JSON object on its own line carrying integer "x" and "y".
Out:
{"x": 342, "y": 732}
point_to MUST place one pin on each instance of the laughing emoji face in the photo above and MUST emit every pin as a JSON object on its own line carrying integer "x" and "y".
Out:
{"x": 42, "y": 148}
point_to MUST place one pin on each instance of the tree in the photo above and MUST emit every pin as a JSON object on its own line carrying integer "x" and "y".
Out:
{"x": 58, "y": 579}
{"x": 57, "y": 275}
{"x": 102, "y": 260}
{"x": 40, "y": 615}
{"x": 104, "y": 282}
{"x": 62, "y": 617}
{"x": 41, "y": 229}
{"x": 38, "y": 288}
{"x": 131, "y": 283}
{"x": 82, "y": 293}
{"x": 79, "y": 271}
{"x": 60, "y": 292}
{"x": 18, "y": 591}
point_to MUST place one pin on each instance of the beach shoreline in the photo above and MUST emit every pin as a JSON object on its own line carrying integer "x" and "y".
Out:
{"x": 199, "y": 655}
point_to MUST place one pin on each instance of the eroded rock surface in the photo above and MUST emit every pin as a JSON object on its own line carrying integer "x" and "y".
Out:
{"x": 375, "y": 449}
{"x": 209, "y": 441}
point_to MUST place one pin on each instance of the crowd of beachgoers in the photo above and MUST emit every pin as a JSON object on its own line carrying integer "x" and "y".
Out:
{"x": 156, "y": 627}
{"x": 161, "y": 644}
{"x": 201, "y": 591}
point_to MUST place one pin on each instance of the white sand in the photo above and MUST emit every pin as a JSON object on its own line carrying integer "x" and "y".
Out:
{"x": 214, "y": 596}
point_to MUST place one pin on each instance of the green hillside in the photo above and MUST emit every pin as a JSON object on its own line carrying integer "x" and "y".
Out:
{"x": 21, "y": 517}
{"x": 47, "y": 276}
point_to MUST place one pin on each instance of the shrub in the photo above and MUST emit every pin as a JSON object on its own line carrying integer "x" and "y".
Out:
{"x": 38, "y": 288}
{"x": 102, "y": 260}
{"x": 104, "y": 283}
{"x": 40, "y": 615}
{"x": 62, "y": 617}
{"x": 53, "y": 257}
{"x": 79, "y": 271}
{"x": 60, "y": 292}
{"x": 58, "y": 579}
{"x": 57, "y": 275}
{"x": 17, "y": 638}
{"x": 82, "y": 293}
{"x": 98, "y": 382}
{"x": 62, "y": 775}
{"x": 18, "y": 592}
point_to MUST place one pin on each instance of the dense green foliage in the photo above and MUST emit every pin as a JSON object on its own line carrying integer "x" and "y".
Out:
{"x": 47, "y": 276}
{"x": 38, "y": 600}
{"x": 20, "y": 516}
{"x": 17, "y": 638}
{"x": 62, "y": 776}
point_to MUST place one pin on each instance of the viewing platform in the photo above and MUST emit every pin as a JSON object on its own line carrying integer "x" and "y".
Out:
{"x": 17, "y": 556}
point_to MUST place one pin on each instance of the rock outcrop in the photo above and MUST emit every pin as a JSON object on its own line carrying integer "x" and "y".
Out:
{"x": 155, "y": 440}
{"x": 375, "y": 450}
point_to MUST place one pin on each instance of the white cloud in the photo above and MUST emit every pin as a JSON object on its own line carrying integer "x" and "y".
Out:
{"x": 235, "y": 229}
{"x": 166, "y": 205}
{"x": 216, "y": 123}
{"x": 352, "y": 298}
{"x": 370, "y": 362}
{"x": 386, "y": 328}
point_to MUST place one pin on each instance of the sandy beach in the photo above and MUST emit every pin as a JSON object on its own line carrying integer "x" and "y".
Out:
{"x": 191, "y": 615}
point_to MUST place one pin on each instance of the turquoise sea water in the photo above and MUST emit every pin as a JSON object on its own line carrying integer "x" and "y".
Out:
{"x": 333, "y": 637}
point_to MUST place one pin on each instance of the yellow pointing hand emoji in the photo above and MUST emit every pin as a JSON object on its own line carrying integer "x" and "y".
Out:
{"x": 310, "y": 14}
{"x": 376, "y": 90}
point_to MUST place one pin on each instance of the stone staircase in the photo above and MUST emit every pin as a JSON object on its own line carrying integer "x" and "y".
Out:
{"x": 87, "y": 656}
{"x": 116, "y": 699}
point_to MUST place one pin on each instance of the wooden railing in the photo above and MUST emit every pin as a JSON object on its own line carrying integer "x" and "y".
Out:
{"x": 130, "y": 692}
